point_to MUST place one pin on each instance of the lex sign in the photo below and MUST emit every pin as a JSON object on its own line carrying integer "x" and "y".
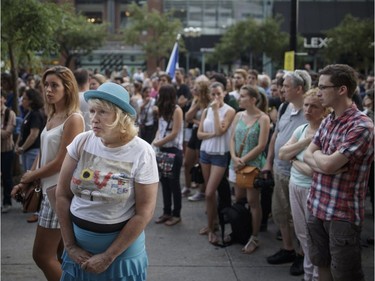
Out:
{"x": 315, "y": 42}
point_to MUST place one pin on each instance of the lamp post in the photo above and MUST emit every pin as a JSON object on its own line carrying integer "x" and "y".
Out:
{"x": 190, "y": 32}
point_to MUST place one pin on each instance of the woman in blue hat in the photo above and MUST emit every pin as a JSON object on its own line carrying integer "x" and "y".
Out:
{"x": 107, "y": 193}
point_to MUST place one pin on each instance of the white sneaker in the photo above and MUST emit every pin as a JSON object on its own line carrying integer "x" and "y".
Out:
{"x": 198, "y": 196}
{"x": 185, "y": 191}
{"x": 5, "y": 208}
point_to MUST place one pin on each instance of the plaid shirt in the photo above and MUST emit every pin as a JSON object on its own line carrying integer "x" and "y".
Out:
{"x": 342, "y": 196}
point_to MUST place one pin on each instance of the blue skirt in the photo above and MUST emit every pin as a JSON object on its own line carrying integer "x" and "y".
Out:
{"x": 131, "y": 265}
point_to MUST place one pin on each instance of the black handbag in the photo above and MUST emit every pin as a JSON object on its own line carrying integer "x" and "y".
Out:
{"x": 196, "y": 174}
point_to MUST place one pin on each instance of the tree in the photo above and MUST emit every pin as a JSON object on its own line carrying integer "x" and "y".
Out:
{"x": 75, "y": 35}
{"x": 351, "y": 42}
{"x": 27, "y": 27}
{"x": 250, "y": 38}
{"x": 30, "y": 27}
{"x": 154, "y": 32}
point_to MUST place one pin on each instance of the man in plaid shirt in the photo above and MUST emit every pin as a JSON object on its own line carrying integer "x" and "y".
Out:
{"x": 340, "y": 154}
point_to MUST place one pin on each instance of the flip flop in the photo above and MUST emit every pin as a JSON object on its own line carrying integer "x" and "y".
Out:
{"x": 251, "y": 246}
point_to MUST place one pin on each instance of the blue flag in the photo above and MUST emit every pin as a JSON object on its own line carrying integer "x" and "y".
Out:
{"x": 173, "y": 61}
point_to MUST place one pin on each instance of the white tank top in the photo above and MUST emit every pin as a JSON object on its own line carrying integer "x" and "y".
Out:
{"x": 50, "y": 141}
{"x": 216, "y": 145}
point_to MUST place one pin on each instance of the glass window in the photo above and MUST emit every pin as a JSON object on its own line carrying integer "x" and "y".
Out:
{"x": 94, "y": 17}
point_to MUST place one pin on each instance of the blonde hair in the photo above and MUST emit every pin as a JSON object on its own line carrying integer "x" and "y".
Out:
{"x": 203, "y": 89}
{"x": 313, "y": 93}
{"x": 123, "y": 122}
{"x": 70, "y": 88}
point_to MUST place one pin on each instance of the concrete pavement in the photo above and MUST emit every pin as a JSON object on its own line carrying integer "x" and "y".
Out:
{"x": 176, "y": 253}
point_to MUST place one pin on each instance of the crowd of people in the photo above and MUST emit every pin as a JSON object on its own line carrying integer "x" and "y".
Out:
{"x": 92, "y": 141}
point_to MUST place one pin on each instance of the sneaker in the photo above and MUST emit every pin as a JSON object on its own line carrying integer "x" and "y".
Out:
{"x": 5, "y": 209}
{"x": 297, "y": 266}
{"x": 185, "y": 191}
{"x": 198, "y": 196}
{"x": 282, "y": 256}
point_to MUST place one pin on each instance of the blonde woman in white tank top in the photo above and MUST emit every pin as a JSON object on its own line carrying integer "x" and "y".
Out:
{"x": 63, "y": 124}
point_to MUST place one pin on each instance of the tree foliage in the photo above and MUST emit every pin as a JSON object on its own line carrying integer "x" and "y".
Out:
{"x": 27, "y": 27}
{"x": 251, "y": 36}
{"x": 154, "y": 32}
{"x": 351, "y": 42}
{"x": 32, "y": 29}
{"x": 75, "y": 35}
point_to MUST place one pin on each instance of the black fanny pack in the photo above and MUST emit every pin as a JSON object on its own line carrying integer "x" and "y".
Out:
{"x": 97, "y": 227}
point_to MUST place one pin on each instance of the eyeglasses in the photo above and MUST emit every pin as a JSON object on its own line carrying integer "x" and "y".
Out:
{"x": 323, "y": 87}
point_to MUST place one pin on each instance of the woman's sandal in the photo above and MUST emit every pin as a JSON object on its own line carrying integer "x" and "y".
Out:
{"x": 213, "y": 238}
{"x": 251, "y": 245}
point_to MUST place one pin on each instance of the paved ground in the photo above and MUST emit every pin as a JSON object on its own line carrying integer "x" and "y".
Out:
{"x": 176, "y": 253}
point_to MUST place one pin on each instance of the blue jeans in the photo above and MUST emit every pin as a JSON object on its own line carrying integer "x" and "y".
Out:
{"x": 171, "y": 185}
{"x": 28, "y": 158}
{"x": 7, "y": 175}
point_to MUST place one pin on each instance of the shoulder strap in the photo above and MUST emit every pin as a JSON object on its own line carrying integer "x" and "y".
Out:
{"x": 75, "y": 113}
{"x": 283, "y": 108}
{"x": 82, "y": 143}
{"x": 245, "y": 137}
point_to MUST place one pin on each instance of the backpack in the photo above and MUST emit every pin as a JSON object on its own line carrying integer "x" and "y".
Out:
{"x": 239, "y": 217}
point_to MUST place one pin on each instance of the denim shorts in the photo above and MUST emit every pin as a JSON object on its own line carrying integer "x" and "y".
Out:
{"x": 335, "y": 244}
{"x": 214, "y": 159}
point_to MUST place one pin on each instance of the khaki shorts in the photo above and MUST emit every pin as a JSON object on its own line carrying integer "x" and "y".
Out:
{"x": 335, "y": 244}
{"x": 281, "y": 211}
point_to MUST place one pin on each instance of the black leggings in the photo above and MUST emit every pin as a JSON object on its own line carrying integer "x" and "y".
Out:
{"x": 171, "y": 185}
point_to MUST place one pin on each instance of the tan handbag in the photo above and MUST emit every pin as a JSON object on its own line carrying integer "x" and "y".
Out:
{"x": 246, "y": 176}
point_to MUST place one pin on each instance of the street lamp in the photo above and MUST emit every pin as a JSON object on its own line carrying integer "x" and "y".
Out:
{"x": 190, "y": 32}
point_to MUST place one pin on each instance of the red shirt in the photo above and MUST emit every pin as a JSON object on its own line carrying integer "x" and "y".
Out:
{"x": 342, "y": 196}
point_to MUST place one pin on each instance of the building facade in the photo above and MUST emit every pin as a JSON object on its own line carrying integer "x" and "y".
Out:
{"x": 206, "y": 20}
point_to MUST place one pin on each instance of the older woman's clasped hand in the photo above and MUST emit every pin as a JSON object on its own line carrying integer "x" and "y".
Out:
{"x": 97, "y": 263}
{"x": 78, "y": 254}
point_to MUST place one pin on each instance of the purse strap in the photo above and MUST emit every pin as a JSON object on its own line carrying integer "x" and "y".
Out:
{"x": 245, "y": 137}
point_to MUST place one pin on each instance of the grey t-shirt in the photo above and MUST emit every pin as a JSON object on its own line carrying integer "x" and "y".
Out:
{"x": 285, "y": 127}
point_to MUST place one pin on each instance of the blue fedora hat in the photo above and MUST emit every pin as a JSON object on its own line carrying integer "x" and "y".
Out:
{"x": 113, "y": 93}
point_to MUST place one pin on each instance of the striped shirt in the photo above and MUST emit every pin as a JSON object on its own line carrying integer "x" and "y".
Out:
{"x": 342, "y": 196}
